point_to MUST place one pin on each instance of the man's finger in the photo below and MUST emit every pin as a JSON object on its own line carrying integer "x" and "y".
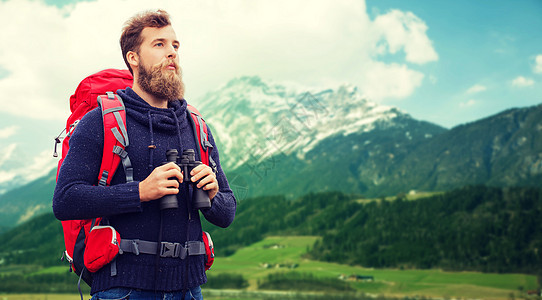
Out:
{"x": 199, "y": 172}
{"x": 173, "y": 173}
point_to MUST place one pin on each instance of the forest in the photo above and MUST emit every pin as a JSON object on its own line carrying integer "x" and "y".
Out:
{"x": 474, "y": 228}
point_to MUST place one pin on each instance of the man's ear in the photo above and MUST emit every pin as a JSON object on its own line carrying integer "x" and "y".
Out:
{"x": 133, "y": 59}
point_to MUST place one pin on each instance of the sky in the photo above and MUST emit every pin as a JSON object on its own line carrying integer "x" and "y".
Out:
{"x": 446, "y": 62}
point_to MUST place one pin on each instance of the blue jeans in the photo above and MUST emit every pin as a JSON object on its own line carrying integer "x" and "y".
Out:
{"x": 132, "y": 294}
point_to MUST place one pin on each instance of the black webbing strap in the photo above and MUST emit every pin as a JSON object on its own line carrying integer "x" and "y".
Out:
{"x": 126, "y": 163}
{"x": 166, "y": 249}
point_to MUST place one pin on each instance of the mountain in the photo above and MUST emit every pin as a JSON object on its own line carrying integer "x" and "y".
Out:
{"x": 255, "y": 120}
{"x": 501, "y": 150}
{"x": 23, "y": 203}
{"x": 278, "y": 138}
{"x": 39, "y": 240}
{"x": 405, "y": 155}
{"x": 270, "y": 135}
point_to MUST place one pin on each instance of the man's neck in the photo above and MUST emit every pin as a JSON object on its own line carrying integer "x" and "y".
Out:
{"x": 149, "y": 98}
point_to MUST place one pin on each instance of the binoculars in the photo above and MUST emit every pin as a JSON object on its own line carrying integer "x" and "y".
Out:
{"x": 187, "y": 162}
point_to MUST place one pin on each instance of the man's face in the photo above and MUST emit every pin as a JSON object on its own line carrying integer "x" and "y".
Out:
{"x": 159, "y": 72}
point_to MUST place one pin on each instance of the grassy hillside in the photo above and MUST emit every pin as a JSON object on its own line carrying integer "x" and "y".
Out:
{"x": 22, "y": 204}
{"x": 286, "y": 254}
{"x": 39, "y": 241}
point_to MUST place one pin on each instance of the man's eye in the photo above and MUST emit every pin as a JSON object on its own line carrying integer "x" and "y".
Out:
{"x": 159, "y": 44}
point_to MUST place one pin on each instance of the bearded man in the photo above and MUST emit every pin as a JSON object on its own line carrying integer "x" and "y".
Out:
{"x": 156, "y": 118}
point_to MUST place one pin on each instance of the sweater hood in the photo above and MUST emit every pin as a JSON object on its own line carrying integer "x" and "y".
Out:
{"x": 166, "y": 119}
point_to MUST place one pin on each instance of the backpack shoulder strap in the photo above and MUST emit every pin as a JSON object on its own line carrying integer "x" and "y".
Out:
{"x": 115, "y": 139}
{"x": 202, "y": 137}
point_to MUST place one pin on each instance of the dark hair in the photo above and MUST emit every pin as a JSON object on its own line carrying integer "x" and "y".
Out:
{"x": 130, "y": 39}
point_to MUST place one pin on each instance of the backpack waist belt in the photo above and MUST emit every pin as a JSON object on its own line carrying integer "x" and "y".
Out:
{"x": 166, "y": 249}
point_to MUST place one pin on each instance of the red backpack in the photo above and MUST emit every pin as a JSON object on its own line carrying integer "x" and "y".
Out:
{"x": 92, "y": 92}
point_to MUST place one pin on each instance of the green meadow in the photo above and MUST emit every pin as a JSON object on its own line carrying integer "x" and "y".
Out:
{"x": 285, "y": 254}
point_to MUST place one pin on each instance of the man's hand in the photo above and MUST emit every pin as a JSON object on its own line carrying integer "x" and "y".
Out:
{"x": 208, "y": 179}
{"x": 164, "y": 180}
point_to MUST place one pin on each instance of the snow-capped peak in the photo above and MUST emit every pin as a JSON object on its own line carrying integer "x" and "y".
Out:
{"x": 256, "y": 119}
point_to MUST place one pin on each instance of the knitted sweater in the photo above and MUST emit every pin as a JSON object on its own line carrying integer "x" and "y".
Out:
{"x": 78, "y": 196}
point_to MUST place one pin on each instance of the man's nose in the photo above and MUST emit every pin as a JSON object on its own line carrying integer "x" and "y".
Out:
{"x": 172, "y": 53}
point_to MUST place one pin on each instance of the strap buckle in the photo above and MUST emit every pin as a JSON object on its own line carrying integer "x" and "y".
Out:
{"x": 168, "y": 249}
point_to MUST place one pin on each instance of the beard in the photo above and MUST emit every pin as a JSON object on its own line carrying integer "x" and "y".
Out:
{"x": 161, "y": 83}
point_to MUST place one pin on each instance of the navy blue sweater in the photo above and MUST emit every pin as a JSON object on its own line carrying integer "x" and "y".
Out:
{"x": 78, "y": 196}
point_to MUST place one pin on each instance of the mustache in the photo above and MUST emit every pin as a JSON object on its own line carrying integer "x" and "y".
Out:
{"x": 169, "y": 62}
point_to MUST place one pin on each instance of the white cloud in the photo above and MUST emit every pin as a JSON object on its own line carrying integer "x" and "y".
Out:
{"x": 476, "y": 89}
{"x": 8, "y": 131}
{"x": 521, "y": 81}
{"x": 41, "y": 164}
{"x": 6, "y": 177}
{"x": 404, "y": 30}
{"x": 46, "y": 51}
{"x": 468, "y": 103}
{"x": 390, "y": 81}
{"x": 7, "y": 152}
{"x": 538, "y": 64}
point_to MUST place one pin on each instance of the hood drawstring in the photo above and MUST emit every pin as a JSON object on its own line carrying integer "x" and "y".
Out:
{"x": 178, "y": 131}
{"x": 152, "y": 146}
